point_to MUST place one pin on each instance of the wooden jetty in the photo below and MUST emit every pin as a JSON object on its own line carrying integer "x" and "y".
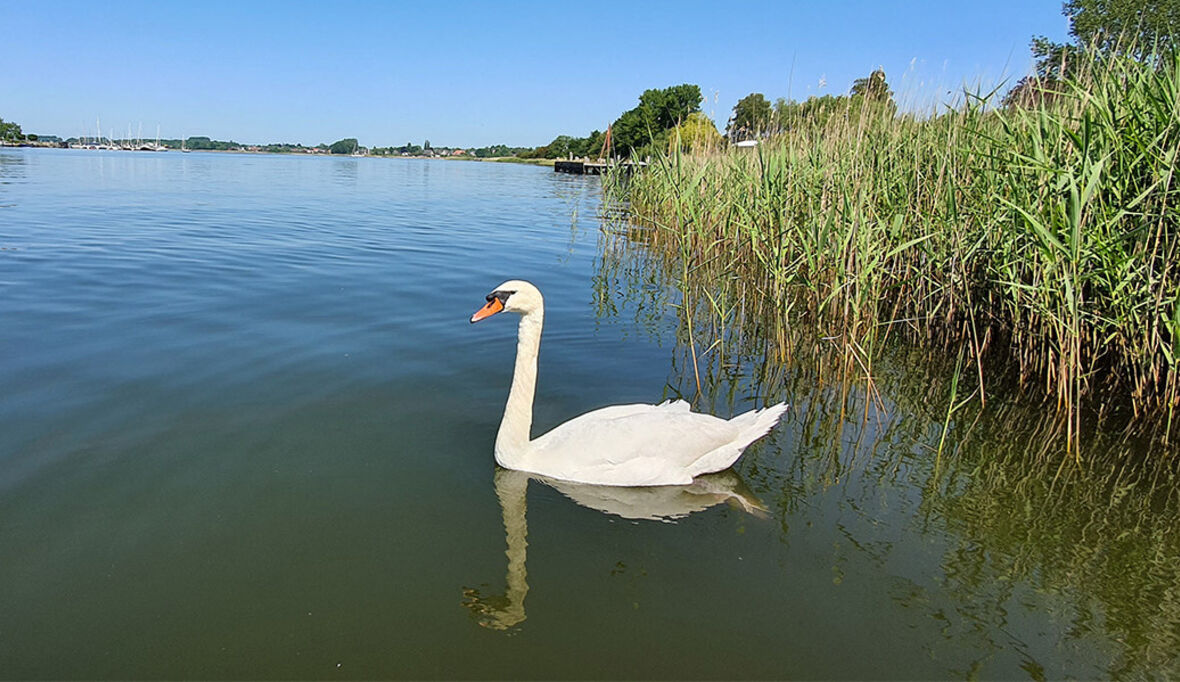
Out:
{"x": 582, "y": 167}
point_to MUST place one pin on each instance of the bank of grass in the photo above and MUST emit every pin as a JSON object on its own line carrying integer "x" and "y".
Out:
{"x": 513, "y": 159}
{"x": 1042, "y": 239}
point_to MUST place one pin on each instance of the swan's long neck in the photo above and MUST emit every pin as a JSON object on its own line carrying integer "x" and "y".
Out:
{"x": 513, "y": 438}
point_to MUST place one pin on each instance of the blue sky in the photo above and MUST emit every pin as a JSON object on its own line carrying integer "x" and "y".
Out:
{"x": 474, "y": 73}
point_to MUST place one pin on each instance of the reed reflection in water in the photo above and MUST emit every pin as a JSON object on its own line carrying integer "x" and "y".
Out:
{"x": 976, "y": 508}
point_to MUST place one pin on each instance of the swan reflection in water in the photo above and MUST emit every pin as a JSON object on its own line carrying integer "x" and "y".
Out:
{"x": 657, "y": 503}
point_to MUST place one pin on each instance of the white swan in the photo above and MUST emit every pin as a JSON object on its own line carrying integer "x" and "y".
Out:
{"x": 622, "y": 445}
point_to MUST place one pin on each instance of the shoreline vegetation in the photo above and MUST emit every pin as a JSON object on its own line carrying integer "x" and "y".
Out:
{"x": 1035, "y": 240}
{"x": 53, "y": 144}
{"x": 11, "y": 135}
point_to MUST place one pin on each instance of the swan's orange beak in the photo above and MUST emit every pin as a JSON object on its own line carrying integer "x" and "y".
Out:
{"x": 494, "y": 306}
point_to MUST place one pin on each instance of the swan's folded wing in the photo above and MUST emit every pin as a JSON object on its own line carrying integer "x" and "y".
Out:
{"x": 630, "y": 445}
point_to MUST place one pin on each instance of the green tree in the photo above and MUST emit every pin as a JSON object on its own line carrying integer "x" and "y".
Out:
{"x": 751, "y": 117}
{"x": 1055, "y": 60}
{"x": 631, "y": 130}
{"x": 813, "y": 111}
{"x": 1054, "y": 63}
{"x": 590, "y": 146}
{"x": 10, "y": 131}
{"x": 873, "y": 88}
{"x": 1137, "y": 28}
{"x": 497, "y": 150}
{"x": 348, "y": 145}
{"x": 1120, "y": 25}
{"x": 671, "y": 105}
{"x": 201, "y": 142}
{"x": 564, "y": 145}
{"x": 696, "y": 133}
{"x": 638, "y": 131}
{"x": 646, "y": 127}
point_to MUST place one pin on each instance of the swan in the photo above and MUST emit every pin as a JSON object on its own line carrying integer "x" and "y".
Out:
{"x": 620, "y": 445}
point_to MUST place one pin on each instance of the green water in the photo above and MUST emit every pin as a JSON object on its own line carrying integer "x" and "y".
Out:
{"x": 246, "y": 430}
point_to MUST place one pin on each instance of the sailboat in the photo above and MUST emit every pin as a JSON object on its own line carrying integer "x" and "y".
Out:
{"x": 148, "y": 146}
{"x": 100, "y": 143}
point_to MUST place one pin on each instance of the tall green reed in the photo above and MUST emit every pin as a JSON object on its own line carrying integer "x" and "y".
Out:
{"x": 1041, "y": 239}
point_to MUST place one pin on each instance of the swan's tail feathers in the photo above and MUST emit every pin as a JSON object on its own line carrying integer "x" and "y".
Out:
{"x": 757, "y": 423}
{"x": 751, "y": 425}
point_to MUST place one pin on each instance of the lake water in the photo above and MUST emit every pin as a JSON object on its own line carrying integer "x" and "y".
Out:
{"x": 246, "y": 432}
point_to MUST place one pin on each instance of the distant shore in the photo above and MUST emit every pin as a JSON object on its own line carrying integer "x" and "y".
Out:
{"x": 494, "y": 159}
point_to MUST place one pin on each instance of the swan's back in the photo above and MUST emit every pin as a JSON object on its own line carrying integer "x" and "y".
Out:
{"x": 640, "y": 445}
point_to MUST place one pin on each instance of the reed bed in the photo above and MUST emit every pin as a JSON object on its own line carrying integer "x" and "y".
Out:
{"x": 1102, "y": 533}
{"x": 1038, "y": 242}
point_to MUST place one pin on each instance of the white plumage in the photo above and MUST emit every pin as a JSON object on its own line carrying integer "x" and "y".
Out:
{"x": 621, "y": 445}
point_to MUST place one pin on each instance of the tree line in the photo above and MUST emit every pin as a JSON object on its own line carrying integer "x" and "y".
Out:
{"x": 754, "y": 117}
{"x": 1139, "y": 29}
{"x": 670, "y": 118}
{"x": 637, "y": 132}
{"x": 11, "y": 132}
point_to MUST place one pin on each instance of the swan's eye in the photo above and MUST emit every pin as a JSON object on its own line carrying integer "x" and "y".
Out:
{"x": 502, "y": 295}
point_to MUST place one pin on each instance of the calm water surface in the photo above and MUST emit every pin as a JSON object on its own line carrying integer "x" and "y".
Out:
{"x": 246, "y": 431}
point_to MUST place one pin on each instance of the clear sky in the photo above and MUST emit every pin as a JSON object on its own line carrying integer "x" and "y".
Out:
{"x": 474, "y": 73}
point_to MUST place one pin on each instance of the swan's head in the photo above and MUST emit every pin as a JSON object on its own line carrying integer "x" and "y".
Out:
{"x": 515, "y": 296}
